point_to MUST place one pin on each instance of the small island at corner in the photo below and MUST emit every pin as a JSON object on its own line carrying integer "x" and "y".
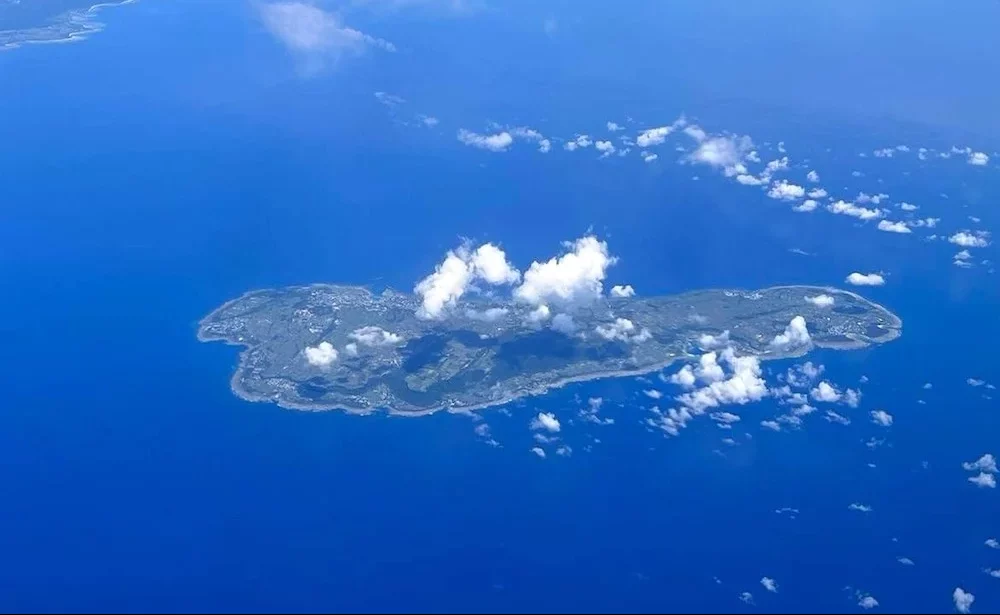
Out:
{"x": 325, "y": 347}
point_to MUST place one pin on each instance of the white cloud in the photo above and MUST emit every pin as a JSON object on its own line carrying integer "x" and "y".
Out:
{"x": 315, "y": 35}
{"x": 785, "y": 191}
{"x": 725, "y": 152}
{"x": 538, "y": 452}
{"x": 979, "y": 159}
{"x": 708, "y": 369}
{"x": 817, "y": 193}
{"x": 498, "y": 142}
{"x": 867, "y": 602}
{"x": 776, "y": 165}
{"x": 351, "y": 349}
{"x": 812, "y": 176}
{"x": 865, "y": 279}
{"x": 967, "y": 239}
{"x": 772, "y": 425}
{"x": 975, "y": 382}
{"x": 590, "y": 413}
{"x": 653, "y": 136}
{"x": 983, "y": 480}
{"x": 821, "y": 300}
{"x": 986, "y": 463}
{"x": 649, "y": 157}
{"x": 726, "y": 418}
{"x": 488, "y": 315}
{"x": 546, "y": 421}
{"x": 746, "y": 598}
{"x": 685, "y": 377}
{"x": 826, "y": 392}
{"x": 795, "y": 335}
{"x": 708, "y": 342}
{"x": 926, "y": 222}
{"x": 806, "y": 206}
{"x": 564, "y": 323}
{"x": 769, "y": 584}
{"x": 750, "y": 180}
{"x": 893, "y": 227}
{"x": 389, "y": 100}
{"x": 851, "y": 398}
{"x": 859, "y": 507}
{"x": 886, "y": 152}
{"x": 442, "y": 289}
{"x": 835, "y": 417}
{"x": 321, "y": 355}
{"x": 622, "y": 330}
{"x": 801, "y": 375}
{"x": 574, "y": 277}
{"x": 695, "y": 132}
{"x": 850, "y": 209}
{"x": 908, "y": 206}
{"x": 429, "y": 121}
{"x": 992, "y": 543}
{"x": 564, "y": 451}
{"x": 530, "y": 134}
{"x": 875, "y": 199}
{"x": 963, "y": 600}
{"x": 605, "y": 147}
{"x": 653, "y": 394}
{"x": 743, "y": 386}
{"x": 881, "y": 418}
{"x": 490, "y": 264}
{"x": 992, "y": 572}
{"x": 613, "y": 127}
{"x": 905, "y": 561}
{"x": 375, "y": 336}
{"x": 539, "y": 314}
{"x": 622, "y": 291}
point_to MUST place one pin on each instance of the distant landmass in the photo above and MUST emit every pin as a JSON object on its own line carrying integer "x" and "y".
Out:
{"x": 53, "y": 21}
{"x": 324, "y": 347}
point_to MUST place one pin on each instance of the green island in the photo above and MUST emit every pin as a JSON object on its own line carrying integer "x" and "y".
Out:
{"x": 325, "y": 347}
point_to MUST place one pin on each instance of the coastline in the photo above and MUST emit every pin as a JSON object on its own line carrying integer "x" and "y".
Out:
{"x": 69, "y": 27}
{"x": 892, "y": 332}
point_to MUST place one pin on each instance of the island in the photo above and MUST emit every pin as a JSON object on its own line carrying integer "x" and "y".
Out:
{"x": 325, "y": 347}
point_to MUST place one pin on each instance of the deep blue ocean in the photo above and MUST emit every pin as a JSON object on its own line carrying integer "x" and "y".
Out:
{"x": 176, "y": 160}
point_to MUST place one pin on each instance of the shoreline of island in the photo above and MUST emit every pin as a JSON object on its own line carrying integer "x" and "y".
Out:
{"x": 892, "y": 331}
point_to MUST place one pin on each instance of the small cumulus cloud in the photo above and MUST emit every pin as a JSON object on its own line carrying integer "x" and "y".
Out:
{"x": 845, "y": 208}
{"x": 622, "y": 291}
{"x": 498, "y": 142}
{"x": 963, "y": 600}
{"x": 821, "y": 301}
{"x": 795, "y": 335}
{"x": 321, "y": 355}
{"x": 865, "y": 279}
{"x": 881, "y": 418}
{"x": 785, "y": 191}
{"x": 968, "y": 239}
{"x": 979, "y": 159}
{"x": 893, "y": 227}
{"x": 546, "y": 421}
